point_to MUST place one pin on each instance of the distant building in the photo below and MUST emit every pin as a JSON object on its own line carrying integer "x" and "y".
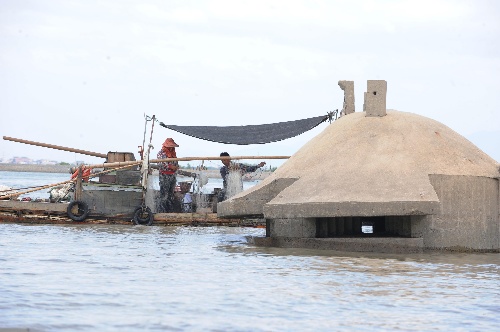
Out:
{"x": 46, "y": 162}
{"x": 21, "y": 160}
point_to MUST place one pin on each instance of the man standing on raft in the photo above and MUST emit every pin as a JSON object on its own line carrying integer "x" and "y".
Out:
{"x": 232, "y": 166}
{"x": 168, "y": 179}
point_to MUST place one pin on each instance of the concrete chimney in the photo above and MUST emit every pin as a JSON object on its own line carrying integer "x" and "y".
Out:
{"x": 375, "y": 98}
{"x": 348, "y": 87}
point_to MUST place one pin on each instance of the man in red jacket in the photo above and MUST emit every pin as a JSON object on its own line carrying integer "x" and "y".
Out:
{"x": 168, "y": 179}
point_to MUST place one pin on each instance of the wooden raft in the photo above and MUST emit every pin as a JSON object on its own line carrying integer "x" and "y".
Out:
{"x": 43, "y": 212}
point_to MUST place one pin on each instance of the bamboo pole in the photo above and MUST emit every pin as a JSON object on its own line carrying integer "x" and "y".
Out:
{"x": 217, "y": 158}
{"x": 55, "y": 184}
{"x": 36, "y": 189}
{"x": 124, "y": 164}
{"x": 78, "y": 185}
{"x": 116, "y": 164}
{"x": 153, "y": 161}
{"x": 57, "y": 147}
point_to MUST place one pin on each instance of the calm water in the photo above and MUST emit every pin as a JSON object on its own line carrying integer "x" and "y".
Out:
{"x": 165, "y": 278}
{"x": 22, "y": 180}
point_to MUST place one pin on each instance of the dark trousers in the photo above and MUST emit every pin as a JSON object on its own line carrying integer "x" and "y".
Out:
{"x": 221, "y": 196}
{"x": 167, "y": 188}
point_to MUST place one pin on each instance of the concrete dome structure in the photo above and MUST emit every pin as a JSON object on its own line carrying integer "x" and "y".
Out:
{"x": 412, "y": 177}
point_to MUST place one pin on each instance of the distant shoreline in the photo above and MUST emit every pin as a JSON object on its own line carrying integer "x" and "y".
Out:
{"x": 36, "y": 168}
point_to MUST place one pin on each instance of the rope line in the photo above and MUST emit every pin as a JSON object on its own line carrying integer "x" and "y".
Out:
{"x": 37, "y": 188}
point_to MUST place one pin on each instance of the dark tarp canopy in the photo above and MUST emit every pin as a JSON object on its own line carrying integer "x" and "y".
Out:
{"x": 251, "y": 134}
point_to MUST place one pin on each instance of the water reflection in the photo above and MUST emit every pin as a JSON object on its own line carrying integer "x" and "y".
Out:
{"x": 209, "y": 278}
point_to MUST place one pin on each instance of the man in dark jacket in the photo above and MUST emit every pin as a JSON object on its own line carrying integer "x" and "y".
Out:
{"x": 232, "y": 166}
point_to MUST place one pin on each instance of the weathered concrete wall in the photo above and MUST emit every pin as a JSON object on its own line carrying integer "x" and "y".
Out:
{"x": 254, "y": 201}
{"x": 386, "y": 245}
{"x": 294, "y": 228}
{"x": 346, "y": 209}
{"x": 469, "y": 217}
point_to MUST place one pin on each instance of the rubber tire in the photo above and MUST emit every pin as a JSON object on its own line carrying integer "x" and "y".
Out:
{"x": 139, "y": 218}
{"x": 83, "y": 209}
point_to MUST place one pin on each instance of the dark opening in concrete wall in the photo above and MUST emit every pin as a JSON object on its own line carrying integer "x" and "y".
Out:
{"x": 397, "y": 226}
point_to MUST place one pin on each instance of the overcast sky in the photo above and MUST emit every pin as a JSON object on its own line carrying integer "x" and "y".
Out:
{"x": 83, "y": 73}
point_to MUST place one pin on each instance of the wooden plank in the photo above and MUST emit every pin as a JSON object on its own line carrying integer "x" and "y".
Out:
{"x": 192, "y": 217}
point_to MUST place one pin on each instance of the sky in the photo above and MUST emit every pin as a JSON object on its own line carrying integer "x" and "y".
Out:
{"x": 85, "y": 73}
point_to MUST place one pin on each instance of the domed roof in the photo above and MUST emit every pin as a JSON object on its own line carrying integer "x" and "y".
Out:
{"x": 365, "y": 166}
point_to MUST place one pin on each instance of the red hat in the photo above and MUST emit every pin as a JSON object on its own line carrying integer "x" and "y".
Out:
{"x": 169, "y": 143}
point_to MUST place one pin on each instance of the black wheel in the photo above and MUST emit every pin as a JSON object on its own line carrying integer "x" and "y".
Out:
{"x": 143, "y": 216}
{"x": 82, "y": 210}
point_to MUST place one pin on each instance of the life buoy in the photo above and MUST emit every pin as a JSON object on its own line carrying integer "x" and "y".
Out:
{"x": 81, "y": 213}
{"x": 85, "y": 174}
{"x": 143, "y": 216}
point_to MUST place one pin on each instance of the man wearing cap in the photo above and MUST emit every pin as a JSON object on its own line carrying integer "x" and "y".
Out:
{"x": 228, "y": 165}
{"x": 167, "y": 176}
